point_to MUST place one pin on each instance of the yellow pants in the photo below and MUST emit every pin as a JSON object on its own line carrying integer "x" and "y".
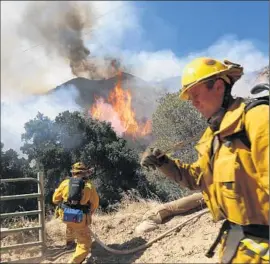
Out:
{"x": 80, "y": 232}
{"x": 251, "y": 250}
{"x": 70, "y": 236}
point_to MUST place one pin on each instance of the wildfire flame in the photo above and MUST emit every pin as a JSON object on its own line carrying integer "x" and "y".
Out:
{"x": 118, "y": 111}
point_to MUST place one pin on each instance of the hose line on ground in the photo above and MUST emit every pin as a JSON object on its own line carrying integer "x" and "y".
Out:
{"x": 144, "y": 246}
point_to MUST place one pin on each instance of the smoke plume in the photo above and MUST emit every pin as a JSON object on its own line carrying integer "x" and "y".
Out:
{"x": 61, "y": 28}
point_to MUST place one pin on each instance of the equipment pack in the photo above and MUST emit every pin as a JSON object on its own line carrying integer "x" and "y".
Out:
{"x": 73, "y": 210}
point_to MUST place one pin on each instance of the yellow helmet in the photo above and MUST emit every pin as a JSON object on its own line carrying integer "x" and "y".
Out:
{"x": 78, "y": 167}
{"x": 203, "y": 69}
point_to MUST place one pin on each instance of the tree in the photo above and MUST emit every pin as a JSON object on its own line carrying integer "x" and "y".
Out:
{"x": 42, "y": 144}
{"x": 14, "y": 167}
{"x": 56, "y": 144}
{"x": 174, "y": 121}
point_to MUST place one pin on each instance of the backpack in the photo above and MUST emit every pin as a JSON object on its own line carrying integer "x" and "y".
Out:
{"x": 242, "y": 135}
{"x": 76, "y": 186}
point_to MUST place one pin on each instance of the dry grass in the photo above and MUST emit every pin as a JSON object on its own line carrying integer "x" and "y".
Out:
{"x": 55, "y": 232}
{"x": 19, "y": 238}
{"x": 24, "y": 237}
{"x": 116, "y": 230}
{"x": 55, "y": 229}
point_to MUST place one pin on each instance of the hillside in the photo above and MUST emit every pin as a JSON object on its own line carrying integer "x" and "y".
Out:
{"x": 143, "y": 93}
{"x": 116, "y": 230}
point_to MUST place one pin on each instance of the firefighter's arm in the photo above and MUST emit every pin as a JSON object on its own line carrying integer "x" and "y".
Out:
{"x": 94, "y": 199}
{"x": 58, "y": 194}
{"x": 184, "y": 174}
{"x": 90, "y": 196}
{"x": 257, "y": 128}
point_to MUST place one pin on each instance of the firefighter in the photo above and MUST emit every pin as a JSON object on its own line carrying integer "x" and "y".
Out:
{"x": 77, "y": 200}
{"x": 232, "y": 169}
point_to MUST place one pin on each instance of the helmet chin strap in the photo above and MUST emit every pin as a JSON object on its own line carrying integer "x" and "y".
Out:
{"x": 215, "y": 120}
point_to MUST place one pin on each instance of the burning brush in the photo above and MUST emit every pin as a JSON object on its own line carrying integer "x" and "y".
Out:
{"x": 117, "y": 109}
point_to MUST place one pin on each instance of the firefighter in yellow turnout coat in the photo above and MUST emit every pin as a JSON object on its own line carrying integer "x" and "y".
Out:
{"x": 77, "y": 199}
{"x": 232, "y": 169}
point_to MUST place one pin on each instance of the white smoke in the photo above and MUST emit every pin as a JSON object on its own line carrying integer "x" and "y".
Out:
{"x": 160, "y": 65}
{"x": 26, "y": 68}
{"x": 115, "y": 20}
{"x": 15, "y": 115}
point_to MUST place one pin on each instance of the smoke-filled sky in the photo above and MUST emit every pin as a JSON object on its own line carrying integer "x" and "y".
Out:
{"x": 44, "y": 44}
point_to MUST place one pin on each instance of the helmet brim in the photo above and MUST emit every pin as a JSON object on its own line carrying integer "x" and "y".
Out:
{"x": 224, "y": 74}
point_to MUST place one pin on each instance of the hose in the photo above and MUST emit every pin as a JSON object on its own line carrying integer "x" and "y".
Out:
{"x": 129, "y": 251}
{"x": 144, "y": 246}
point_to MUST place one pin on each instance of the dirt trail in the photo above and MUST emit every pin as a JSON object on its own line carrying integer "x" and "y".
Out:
{"x": 116, "y": 230}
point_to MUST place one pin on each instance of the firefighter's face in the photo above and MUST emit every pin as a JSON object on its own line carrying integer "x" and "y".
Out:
{"x": 207, "y": 100}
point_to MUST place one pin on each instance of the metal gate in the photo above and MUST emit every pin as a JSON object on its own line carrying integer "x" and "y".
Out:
{"x": 41, "y": 213}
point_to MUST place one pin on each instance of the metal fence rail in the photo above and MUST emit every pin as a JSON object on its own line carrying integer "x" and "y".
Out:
{"x": 41, "y": 213}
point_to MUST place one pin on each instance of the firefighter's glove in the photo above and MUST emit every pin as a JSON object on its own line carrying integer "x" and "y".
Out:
{"x": 151, "y": 160}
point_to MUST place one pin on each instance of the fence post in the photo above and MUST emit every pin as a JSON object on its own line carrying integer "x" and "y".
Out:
{"x": 41, "y": 206}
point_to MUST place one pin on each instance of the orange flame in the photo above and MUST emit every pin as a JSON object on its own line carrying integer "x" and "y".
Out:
{"x": 119, "y": 112}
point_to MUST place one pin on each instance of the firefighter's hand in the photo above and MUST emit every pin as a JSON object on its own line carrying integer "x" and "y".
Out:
{"x": 150, "y": 158}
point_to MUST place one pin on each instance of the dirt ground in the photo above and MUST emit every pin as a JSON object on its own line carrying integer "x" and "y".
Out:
{"x": 116, "y": 230}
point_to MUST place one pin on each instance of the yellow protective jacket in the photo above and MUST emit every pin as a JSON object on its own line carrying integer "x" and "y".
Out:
{"x": 90, "y": 196}
{"x": 235, "y": 180}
